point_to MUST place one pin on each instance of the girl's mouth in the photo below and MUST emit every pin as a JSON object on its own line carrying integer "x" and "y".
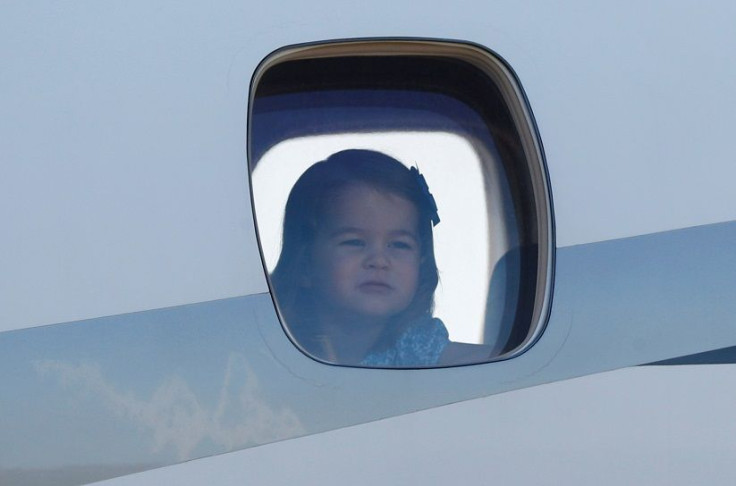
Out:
{"x": 375, "y": 287}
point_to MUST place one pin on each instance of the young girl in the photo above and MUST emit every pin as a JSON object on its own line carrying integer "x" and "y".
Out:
{"x": 356, "y": 277}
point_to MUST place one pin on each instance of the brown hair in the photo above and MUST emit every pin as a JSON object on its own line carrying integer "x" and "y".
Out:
{"x": 305, "y": 209}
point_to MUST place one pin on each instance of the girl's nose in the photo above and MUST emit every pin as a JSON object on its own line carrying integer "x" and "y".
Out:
{"x": 377, "y": 259}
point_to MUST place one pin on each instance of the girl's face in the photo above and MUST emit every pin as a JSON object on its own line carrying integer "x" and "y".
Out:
{"x": 366, "y": 255}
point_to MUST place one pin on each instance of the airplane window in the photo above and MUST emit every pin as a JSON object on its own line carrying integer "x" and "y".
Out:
{"x": 401, "y": 203}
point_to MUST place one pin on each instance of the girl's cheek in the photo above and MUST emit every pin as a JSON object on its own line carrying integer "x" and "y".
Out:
{"x": 408, "y": 256}
{"x": 341, "y": 261}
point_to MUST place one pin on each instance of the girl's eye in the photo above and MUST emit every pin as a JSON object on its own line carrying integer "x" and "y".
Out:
{"x": 401, "y": 245}
{"x": 356, "y": 242}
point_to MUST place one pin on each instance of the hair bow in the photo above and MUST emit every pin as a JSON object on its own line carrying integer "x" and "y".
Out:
{"x": 429, "y": 199}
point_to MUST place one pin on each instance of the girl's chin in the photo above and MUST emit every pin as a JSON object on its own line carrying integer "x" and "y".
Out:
{"x": 353, "y": 318}
{"x": 357, "y": 315}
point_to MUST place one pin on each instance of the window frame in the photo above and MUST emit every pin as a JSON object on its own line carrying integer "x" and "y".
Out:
{"x": 534, "y": 167}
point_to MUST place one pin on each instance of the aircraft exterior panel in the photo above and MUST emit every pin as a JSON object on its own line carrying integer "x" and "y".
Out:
{"x": 136, "y": 328}
{"x": 171, "y": 385}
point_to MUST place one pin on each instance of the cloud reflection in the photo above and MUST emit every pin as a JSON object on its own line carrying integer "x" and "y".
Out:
{"x": 176, "y": 416}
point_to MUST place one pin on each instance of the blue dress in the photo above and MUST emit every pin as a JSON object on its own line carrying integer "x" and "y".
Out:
{"x": 420, "y": 345}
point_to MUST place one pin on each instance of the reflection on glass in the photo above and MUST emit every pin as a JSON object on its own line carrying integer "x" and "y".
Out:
{"x": 356, "y": 277}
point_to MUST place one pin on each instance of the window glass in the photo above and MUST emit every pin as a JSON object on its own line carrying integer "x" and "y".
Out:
{"x": 411, "y": 235}
{"x": 461, "y": 241}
